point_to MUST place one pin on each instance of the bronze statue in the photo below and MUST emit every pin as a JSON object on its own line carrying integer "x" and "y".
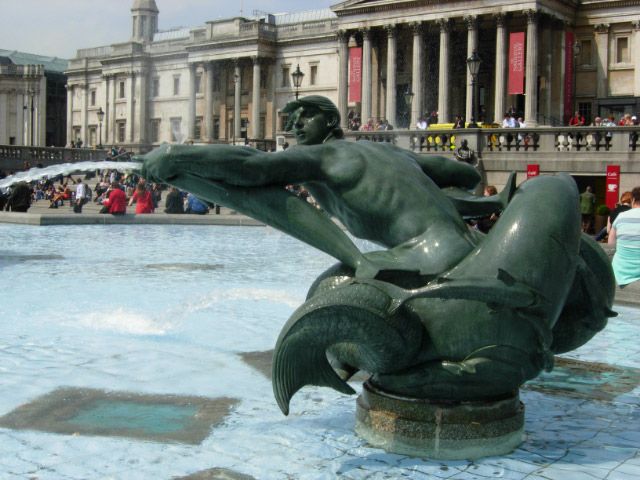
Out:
{"x": 441, "y": 312}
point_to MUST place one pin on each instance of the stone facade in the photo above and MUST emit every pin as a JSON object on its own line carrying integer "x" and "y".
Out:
{"x": 229, "y": 79}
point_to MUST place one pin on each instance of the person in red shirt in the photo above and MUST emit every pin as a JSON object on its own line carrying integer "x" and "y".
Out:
{"x": 116, "y": 201}
{"x": 577, "y": 120}
{"x": 143, "y": 199}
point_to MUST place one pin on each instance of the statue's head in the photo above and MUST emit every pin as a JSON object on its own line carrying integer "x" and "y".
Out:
{"x": 313, "y": 119}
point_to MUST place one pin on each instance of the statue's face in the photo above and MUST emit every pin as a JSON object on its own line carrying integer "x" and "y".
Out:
{"x": 311, "y": 126}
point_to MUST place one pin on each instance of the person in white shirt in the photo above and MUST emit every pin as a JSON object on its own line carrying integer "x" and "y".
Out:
{"x": 81, "y": 193}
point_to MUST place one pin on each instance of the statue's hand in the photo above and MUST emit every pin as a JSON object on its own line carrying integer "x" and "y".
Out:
{"x": 158, "y": 165}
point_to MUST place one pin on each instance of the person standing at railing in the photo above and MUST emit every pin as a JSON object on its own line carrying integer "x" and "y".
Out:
{"x": 625, "y": 236}
{"x": 577, "y": 120}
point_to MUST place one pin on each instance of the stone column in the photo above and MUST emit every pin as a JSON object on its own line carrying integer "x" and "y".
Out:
{"x": 255, "y": 100}
{"x": 443, "y": 77}
{"x": 602, "y": 59}
{"x": 191, "y": 110}
{"x": 107, "y": 112}
{"x": 391, "y": 75}
{"x": 635, "y": 47}
{"x": 343, "y": 77}
{"x": 416, "y": 74}
{"x": 114, "y": 94}
{"x": 472, "y": 46}
{"x": 208, "y": 102}
{"x": 20, "y": 113}
{"x": 70, "y": 96}
{"x": 4, "y": 116}
{"x": 501, "y": 68}
{"x": 142, "y": 100}
{"x": 366, "y": 75}
{"x": 237, "y": 75}
{"x": 531, "y": 72}
{"x": 131, "y": 104}
{"x": 85, "y": 115}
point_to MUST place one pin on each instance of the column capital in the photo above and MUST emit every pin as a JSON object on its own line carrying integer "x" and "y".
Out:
{"x": 391, "y": 29}
{"x": 343, "y": 35}
{"x": 501, "y": 19}
{"x": 444, "y": 24}
{"x": 635, "y": 24}
{"x": 417, "y": 28}
{"x": 532, "y": 16}
{"x": 471, "y": 21}
{"x": 366, "y": 33}
{"x": 602, "y": 28}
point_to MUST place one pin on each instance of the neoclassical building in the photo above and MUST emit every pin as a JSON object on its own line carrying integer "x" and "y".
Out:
{"x": 228, "y": 80}
{"x": 32, "y": 99}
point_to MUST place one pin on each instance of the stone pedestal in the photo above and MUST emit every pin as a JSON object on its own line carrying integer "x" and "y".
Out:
{"x": 448, "y": 431}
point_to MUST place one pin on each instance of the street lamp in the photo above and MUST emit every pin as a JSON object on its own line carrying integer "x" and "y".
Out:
{"x": 473, "y": 63}
{"x": 100, "y": 114}
{"x": 408, "y": 100}
{"x": 31, "y": 93}
{"x": 297, "y": 79}
{"x": 577, "y": 46}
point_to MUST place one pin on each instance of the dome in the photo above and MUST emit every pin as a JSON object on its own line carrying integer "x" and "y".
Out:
{"x": 144, "y": 5}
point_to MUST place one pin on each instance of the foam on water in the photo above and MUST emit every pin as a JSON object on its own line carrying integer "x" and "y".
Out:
{"x": 121, "y": 320}
{"x": 66, "y": 169}
{"x": 245, "y": 294}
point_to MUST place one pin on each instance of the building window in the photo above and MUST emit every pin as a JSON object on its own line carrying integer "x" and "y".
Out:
{"x": 216, "y": 127}
{"x": 286, "y": 77}
{"x": 121, "y": 126}
{"x": 264, "y": 78}
{"x": 155, "y": 87}
{"x": 198, "y": 83}
{"x": 586, "y": 53}
{"x": 12, "y": 140}
{"x": 121, "y": 89}
{"x": 197, "y": 129}
{"x": 284, "y": 118}
{"x": 93, "y": 98}
{"x": 313, "y": 77}
{"x": 176, "y": 85}
{"x": 155, "y": 130}
{"x": 176, "y": 129}
{"x": 93, "y": 136}
{"x": 622, "y": 50}
{"x": 585, "y": 110}
{"x": 76, "y": 134}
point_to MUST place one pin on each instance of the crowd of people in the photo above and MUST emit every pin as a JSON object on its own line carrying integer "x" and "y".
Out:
{"x": 113, "y": 192}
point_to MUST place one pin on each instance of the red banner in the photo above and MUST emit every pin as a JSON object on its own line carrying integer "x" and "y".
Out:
{"x": 568, "y": 77}
{"x": 516, "y": 63}
{"x": 613, "y": 185}
{"x": 355, "y": 74}
{"x": 533, "y": 170}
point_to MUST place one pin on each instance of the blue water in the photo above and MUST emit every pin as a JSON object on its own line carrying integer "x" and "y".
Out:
{"x": 171, "y": 309}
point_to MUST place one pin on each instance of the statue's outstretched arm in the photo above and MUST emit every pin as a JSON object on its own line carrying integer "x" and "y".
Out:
{"x": 233, "y": 165}
{"x": 446, "y": 172}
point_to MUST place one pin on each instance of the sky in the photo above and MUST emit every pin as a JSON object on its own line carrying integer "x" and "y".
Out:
{"x": 58, "y": 28}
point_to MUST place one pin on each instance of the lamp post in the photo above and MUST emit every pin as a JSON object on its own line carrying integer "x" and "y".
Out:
{"x": 577, "y": 46}
{"x": 100, "y": 115}
{"x": 297, "y": 79}
{"x": 473, "y": 63}
{"x": 408, "y": 100}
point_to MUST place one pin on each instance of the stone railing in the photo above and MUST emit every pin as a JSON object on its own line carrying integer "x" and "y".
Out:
{"x": 485, "y": 141}
{"x": 13, "y": 158}
{"x": 307, "y": 28}
{"x": 104, "y": 51}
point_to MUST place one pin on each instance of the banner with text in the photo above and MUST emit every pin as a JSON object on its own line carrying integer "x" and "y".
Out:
{"x": 355, "y": 74}
{"x": 516, "y": 63}
{"x": 613, "y": 185}
{"x": 568, "y": 76}
{"x": 533, "y": 170}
